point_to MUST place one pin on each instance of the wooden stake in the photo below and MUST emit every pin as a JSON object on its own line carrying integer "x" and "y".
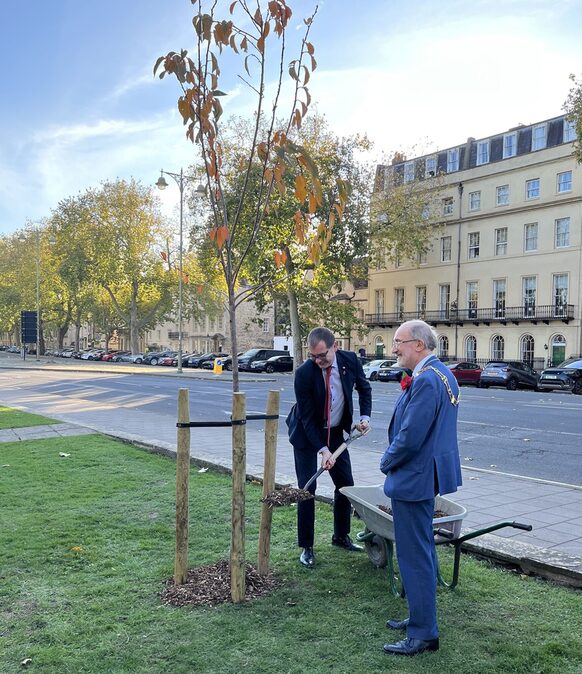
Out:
{"x": 182, "y": 482}
{"x": 271, "y": 428}
{"x": 239, "y": 473}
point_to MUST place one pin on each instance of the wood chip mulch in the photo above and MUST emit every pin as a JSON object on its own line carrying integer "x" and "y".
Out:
{"x": 286, "y": 496}
{"x": 210, "y": 586}
{"x": 437, "y": 513}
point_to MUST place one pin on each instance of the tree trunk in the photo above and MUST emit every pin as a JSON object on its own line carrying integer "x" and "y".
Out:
{"x": 293, "y": 312}
{"x": 233, "y": 339}
{"x": 133, "y": 320}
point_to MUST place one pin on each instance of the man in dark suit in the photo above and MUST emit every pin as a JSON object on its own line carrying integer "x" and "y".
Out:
{"x": 317, "y": 422}
{"x": 422, "y": 460}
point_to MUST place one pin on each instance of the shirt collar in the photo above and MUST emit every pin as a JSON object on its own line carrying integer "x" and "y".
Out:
{"x": 421, "y": 364}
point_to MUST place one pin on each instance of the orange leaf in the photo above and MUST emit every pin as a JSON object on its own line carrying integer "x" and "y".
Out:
{"x": 299, "y": 226}
{"x": 222, "y": 235}
{"x": 300, "y": 188}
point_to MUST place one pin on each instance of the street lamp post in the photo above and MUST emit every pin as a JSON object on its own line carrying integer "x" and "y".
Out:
{"x": 161, "y": 184}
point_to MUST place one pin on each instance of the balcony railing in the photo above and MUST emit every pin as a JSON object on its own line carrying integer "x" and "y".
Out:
{"x": 499, "y": 314}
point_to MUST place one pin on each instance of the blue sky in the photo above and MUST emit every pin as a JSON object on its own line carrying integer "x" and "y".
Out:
{"x": 80, "y": 104}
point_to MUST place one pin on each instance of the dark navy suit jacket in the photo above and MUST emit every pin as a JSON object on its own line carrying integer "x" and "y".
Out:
{"x": 423, "y": 456}
{"x": 306, "y": 418}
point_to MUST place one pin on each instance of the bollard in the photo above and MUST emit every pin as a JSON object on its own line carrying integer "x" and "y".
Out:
{"x": 217, "y": 366}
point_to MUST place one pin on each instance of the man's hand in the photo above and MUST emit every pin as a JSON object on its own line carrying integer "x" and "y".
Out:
{"x": 362, "y": 425}
{"x": 327, "y": 461}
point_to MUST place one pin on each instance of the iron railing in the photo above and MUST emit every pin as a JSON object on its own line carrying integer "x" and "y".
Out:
{"x": 498, "y": 314}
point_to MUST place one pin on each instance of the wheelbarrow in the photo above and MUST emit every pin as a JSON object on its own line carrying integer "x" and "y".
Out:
{"x": 373, "y": 507}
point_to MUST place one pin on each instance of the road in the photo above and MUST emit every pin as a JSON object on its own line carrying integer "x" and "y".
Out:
{"x": 518, "y": 432}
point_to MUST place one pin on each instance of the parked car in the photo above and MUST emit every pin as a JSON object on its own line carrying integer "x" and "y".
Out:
{"x": 245, "y": 360}
{"x": 130, "y": 358}
{"x": 110, "y": 355}
{"x": 371, "y": 368}
{"x": 466, "y": 373}
{"x": 273, "y": 364}
{"x": 390, "y": 373}
{"x": 185, "y": 357}
{"x": 153, "y": 357}
{"x": 197, "y": 361}
{"x": 567, "y": 376}
{"x": 93, "y": 354}
{"x": 512, "y": 374}
{"x": 168, "y": 360}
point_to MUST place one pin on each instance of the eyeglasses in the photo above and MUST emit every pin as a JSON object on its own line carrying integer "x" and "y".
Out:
{"x": 318, "y": 356}
{"x": 398, "y": 342}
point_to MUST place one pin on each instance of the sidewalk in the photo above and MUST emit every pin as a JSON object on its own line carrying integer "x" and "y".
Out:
{"x": 553, "y": 548}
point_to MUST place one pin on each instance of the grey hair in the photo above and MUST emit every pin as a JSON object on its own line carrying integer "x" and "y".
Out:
{"x": 321, "y": 335}
{"x": 424, "y": 333}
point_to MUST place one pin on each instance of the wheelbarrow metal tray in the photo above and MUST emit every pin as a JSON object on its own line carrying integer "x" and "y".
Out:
{"x": 366, "y": 502}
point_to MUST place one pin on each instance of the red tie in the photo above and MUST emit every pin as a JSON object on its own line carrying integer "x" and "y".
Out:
{"x": 328, "y": 402}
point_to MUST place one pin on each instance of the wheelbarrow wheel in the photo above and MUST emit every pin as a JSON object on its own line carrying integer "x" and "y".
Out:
{"x": 376, "y": 549}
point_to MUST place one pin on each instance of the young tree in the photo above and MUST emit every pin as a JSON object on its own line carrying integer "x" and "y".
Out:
{"x": 260, "y": 36}
{"x": 573, "y": 109}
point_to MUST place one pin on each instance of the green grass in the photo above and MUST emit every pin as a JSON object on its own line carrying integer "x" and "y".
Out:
{"x": 97, "y": 610}
{"x": 11, "y": 418}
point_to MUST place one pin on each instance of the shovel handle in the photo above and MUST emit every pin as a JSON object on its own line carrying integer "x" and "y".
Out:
{"x": 337, "y": 452}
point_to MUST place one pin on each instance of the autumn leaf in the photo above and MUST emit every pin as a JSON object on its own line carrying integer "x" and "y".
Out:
{"x": 300, "y": 189}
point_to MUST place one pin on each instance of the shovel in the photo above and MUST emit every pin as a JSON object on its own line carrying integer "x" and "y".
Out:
{"x": 288, "y": 495}
{"x": 338, "y": 451}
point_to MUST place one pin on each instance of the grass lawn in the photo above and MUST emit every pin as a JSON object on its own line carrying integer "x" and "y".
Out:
{"x": 11, "y": 418}
{"x": 87, "y": 541}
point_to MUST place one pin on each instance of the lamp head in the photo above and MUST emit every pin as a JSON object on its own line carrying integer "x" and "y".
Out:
{"x": 161, "y": 184}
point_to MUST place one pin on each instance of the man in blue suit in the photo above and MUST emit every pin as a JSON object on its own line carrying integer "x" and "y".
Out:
{"x": 323, "y": 411}
{"x": 422, "y": 460}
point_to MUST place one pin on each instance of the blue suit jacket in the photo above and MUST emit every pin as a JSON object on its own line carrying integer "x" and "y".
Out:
{"x": 423, "y": 455}
{"x": 306, "y": 418}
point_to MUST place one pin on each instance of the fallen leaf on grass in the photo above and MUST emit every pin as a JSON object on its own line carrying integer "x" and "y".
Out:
{"x": 203, "y": 470}
{"x": 6, "y": 465}
{"x": 26, "y": 662}
{"x": 64, "y": 455}
{"x": 76, "y": 548}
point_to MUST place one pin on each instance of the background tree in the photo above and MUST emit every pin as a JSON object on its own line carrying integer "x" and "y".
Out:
{"x": 573, "y": 109}
{"x": 260, "y": 37}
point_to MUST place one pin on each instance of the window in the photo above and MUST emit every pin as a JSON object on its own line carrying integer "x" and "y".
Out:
{"x": 472, "y": 298}
{"x": 560, "y": 294}
{"x": 530, "y": 236}
{"x": 444, "y": 300}
{"x": 473, "y": 245}
{"x": 569, "y": 131}
{"x": 446, "y": 244}
{"x": 509, "y": 145}
{"x": 538, "y": 137}
{"x": 502, "y": 198}
{"x": 452, "y": 160}
{"x": 497, "y": 347}
{"x": 562, "y": 238}
{"x": 564, "y": 182}
{"x": 501, "y": 241}
{"x": 532, "y": 189}
{"x": 499, "y": 291}
{"x": 422, "y": 257}
{"x": 474, "y": 201}
{"x": 448, "y": 206}
{"x": 266, "y": 326}
{"x": 221, "y": 322}
{"x": 443, "y": 346}
{"x": 482, "y": 152}
{"x": 430, "y": 167}
{"x": 399, "y": 301}
{"x": 529, "y": 288}
{"x": 408, "y": 171}
{"x": 470, "y": 348}
{"x": 379, "y": 301}
{"x": 526, "y": 348}
{"x": 420, "y": 301}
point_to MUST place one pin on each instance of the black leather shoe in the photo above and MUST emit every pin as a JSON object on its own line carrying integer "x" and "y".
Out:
{"x": 411, "y": 647}
{"x": 397, "y": 624}
{"x": 307, "y": 558}
{"x": 346, "y": 544}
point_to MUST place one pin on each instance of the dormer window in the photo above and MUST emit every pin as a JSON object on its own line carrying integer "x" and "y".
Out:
{"x": 453, "y": 160}
{"x": 538, "y": 137}
{"x": 409, "y": 172}
{"x": 482, "y": 152}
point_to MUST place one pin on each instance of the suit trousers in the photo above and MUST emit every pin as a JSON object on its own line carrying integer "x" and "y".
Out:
{"x": 307, "y": 463}
{"x": 416, "y": 554}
